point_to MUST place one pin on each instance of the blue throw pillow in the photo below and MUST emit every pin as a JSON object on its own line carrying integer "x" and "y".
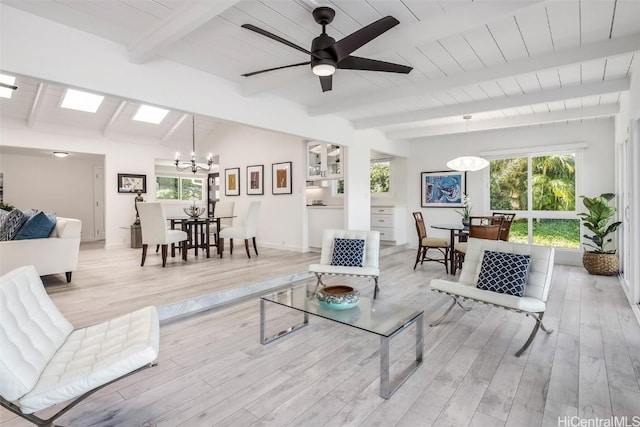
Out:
{"x": 503, "y": 272}
{"x": 348, "y": 252}
{"x": 11, "y": 224}
{"x": 39, "y": 226}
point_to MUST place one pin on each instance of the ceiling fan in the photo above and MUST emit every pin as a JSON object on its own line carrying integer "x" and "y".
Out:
{"x": 327, "y": 54}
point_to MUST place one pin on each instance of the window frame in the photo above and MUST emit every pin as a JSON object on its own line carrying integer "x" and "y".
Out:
{"x": 530, "y": 214}
{"x": 203, "y": 188}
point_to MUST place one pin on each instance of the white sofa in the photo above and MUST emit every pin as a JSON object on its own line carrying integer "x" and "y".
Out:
{"x": 56, "y": 254}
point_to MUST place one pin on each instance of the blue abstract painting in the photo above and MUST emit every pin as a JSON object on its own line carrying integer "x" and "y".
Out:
{"x": 442, "y": 189}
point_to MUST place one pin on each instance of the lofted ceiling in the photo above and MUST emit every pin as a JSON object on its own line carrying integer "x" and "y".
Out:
{"x": 507, "y": 63}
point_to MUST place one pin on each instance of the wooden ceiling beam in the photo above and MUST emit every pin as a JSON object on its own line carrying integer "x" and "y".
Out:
{"x": 610, "y": 48}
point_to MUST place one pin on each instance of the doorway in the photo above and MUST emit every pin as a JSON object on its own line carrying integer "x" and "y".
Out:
{"x": 98, "y": 202}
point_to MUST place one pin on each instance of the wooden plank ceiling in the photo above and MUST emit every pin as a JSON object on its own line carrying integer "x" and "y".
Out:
{"x": 507, "y": 63}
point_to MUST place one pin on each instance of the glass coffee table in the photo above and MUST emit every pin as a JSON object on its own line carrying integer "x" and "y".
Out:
{"x": 380, "y": 318}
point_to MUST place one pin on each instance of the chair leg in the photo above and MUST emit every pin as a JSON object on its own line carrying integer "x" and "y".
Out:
{"x": 417, "y": 257}
{"x": 184, "y": 250}
{"x": 157, "y": 248}
{"x": 318, "y": 283}
{"x": 246, "y": 246}
{"x": 446, "y": 313}
{"x": 534, "y": 331}
{"x": 165, "y": 252}
{"x": 231, "y": 246}
{"x": 255, "y": 247}
{"x": 68, "y": 274}
{"x": 220, "y": 246}
{"x": 375, "y": 289}
{"x": 144, "y": 254}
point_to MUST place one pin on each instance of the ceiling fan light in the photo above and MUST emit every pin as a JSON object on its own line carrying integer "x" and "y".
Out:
{"x": 60, "y": 154}
{"x": 323, "y": 69}
{"x": 467, "y": 163}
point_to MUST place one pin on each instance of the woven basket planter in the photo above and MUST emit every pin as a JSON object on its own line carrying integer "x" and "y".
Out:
{"x": 601, "y": 264}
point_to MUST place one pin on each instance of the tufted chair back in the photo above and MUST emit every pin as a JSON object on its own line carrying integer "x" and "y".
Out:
{"x": 32, "y": 329}
{"x": 371, "y": 245}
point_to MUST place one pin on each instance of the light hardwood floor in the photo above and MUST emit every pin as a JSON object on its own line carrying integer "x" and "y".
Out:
{"x": 212, "y": 370}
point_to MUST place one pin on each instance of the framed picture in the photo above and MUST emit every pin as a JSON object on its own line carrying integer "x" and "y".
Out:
{"x": 255, "y": 179}
{"x": 442, "y": 189}
{"x": 281, "y": 178}
{"x": 232, "y": 182}
{"x": 129, "y": 183}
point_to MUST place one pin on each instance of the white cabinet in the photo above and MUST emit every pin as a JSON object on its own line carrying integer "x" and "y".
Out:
{"x": 324, "y": 161}
{"x": 321, "y": 218}
{"x": 391, "y": 222}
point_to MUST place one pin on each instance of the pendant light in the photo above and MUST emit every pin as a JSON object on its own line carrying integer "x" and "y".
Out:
{"x": 467, "y": 163}
{"x": 182, "y": 166}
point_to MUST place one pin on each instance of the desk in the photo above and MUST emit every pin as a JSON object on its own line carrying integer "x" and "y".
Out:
{"x": 455, "y": 229}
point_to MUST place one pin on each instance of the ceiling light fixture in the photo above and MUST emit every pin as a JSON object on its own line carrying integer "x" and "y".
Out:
{"x": 60, "y": 154}
{"x": 467, "y": 163}
{"x": 192, "y": 165}
{"x": 324, "y": 69}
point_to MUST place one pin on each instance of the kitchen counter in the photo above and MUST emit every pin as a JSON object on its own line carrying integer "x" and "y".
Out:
{"x": 326, "y": 206}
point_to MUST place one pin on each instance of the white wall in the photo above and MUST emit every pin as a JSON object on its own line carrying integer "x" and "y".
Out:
{"x": 433, "y": 153}
{"x": 282, "y": 217}
{"x": 64, "y": 186}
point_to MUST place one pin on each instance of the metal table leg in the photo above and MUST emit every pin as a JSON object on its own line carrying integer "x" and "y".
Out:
{"x": 263, "y": 323}
{"x": 386, "y": 389}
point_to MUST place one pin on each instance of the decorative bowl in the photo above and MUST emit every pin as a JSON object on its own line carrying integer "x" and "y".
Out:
{"x": 193, "y": 211}
{"x": 338, "y": 297}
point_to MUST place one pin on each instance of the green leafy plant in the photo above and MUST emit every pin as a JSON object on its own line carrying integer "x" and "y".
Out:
{"x": 597, "y": 221}
{"x": 7, "y": 207}
{"x": 466, "y": 207}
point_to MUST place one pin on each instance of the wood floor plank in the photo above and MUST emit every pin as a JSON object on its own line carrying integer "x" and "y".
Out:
{"x": 213, "y": 371}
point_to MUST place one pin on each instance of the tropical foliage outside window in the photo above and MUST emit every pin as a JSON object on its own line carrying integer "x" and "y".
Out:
{"x": 379, "y": 176}
{"x": 541, "y": 190}
{"x": 178, "y": 188}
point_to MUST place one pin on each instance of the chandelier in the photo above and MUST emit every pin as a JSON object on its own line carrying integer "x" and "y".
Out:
{"x": 467, "y": 163}
{"x": 192, "y": 165}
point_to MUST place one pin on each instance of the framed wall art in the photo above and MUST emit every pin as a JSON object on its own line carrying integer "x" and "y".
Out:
{"x": 232, "y": 182}
{"x": 281, "y": 178}
{"x": 129, "y": 183}
{"x": 255, "y": 179}
{"x": 442, "y": 189}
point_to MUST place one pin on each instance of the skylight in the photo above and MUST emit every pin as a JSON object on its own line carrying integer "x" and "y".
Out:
{"x": 149, "y": 114}
{"x": 81, "y": 101}
{"x": 6, "y": 92}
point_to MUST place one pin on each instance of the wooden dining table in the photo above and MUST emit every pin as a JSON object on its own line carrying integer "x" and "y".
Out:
{"x": 455, "y": 230}
{"x": 198, "y": 229}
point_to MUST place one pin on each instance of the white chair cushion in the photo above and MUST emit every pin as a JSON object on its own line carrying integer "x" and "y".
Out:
{"x": 96, "y": 355}
{"x": 234, "y": 233}
{"x": 31, "y": 331}
{"x": 461, "y": 247}
{"x": 350, "y": 271}
{"x": 529, "y": 304}
{"x": 435, "y": 242}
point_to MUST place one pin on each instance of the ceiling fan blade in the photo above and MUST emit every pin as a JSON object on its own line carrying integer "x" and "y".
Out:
{"x": 276, "y": 68}
{"x": 357, "y": 63}
{"x": 274, "y": 37}
{"x": 326, "y": 82}
{"x": 349, "y": 44}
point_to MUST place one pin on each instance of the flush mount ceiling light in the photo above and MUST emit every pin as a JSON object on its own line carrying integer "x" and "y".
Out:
{"x": 81, "y": 101}
{"x": 467, "y": 163}
{"x": 192, "y": 165}
{"x": 60, "y": 154}
{"x": 7, "y": 86}
{"x": 149, "y": 114}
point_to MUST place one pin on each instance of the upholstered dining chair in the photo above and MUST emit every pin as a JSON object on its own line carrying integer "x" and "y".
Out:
{"x": 153, "y": 224}
{"x": 222, "y": 209}
{"x": 480, "y": 227}
{"x": 425, "y": 243}
{"x": 246, "y": 231}
{"x": 507, "y": 219}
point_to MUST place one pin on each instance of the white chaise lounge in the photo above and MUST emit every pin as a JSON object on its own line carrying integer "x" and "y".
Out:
{"x": 536, "y": 291}
{"x": 44, "y": 361}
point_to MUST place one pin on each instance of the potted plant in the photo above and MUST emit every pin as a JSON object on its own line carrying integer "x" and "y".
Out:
{"x": 466, "y": 210}
{"x": 600, "y": 260}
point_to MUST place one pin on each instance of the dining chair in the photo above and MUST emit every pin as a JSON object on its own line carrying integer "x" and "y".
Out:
{"x": 425, "y": 243}
{"x": 480, "y": 227}
{"x": 224, "y": 211}
{"x": 153, "y": 224}
{"x": 507, "y": 219}
{"x": 246, "y": 231}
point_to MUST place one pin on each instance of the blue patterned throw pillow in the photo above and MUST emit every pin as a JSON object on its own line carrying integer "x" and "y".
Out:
{"x": 39, "y": 226}
{"x": 503, "y": 272}
{"x": 348, "y": 252}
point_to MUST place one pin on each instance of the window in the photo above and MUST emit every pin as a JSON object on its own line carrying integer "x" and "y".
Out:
{"x": 178, "y": 188}
{"x": 379, "y": 178}
{"x": 541, "y": 190}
